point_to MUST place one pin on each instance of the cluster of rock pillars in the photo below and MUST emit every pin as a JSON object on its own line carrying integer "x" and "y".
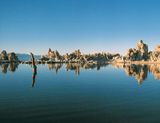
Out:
{"x": 139, "y": 53}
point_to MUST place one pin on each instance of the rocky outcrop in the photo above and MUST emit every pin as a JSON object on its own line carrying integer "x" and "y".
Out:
{"x": 138, "y": 53}
{"x": 66, "y": 57}
{"x": 155, "y": 54}
{"x": 3, "y": 55}
{"x": 52, "y": 56}
{"x": 143, "y": 50}
{"x": 157, "y": 49}
{"x": 10, "y": 57}
{"x": 102, "y": 57}
{"x": 76, "y": 56}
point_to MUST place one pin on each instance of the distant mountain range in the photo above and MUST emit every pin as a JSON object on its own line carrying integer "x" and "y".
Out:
{"x": 26, "y": 57}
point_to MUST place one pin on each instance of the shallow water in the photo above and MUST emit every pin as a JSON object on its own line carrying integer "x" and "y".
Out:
{"x": 80, "y": 94}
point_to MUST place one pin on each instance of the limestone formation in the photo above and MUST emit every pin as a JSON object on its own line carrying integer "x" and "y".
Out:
{"x": 3, "y": 55}
{"x": 155, "y": 54}
{"x": 12, "y": 57}
{"x": 53, "y": 55}
{"x": 78, "y": 53}
{"x": 157, "y": 49}
{"x": 76, "y": 56}
{"x": 143, "y": 50}
{"x": 138, "y": 53}
{"x": 66, "y": 57}
{"x": 57, "y": 55}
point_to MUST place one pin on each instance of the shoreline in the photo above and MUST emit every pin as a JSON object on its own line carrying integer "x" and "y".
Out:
{"x": 136, "y": 62}
{"x": 78, "y": 62}
{"x": 138, "y": 55}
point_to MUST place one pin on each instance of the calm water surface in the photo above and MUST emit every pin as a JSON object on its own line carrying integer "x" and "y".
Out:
{"x": 75, "y": 94}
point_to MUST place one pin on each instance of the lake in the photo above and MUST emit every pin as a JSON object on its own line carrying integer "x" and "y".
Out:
{"x": 73, "y": 93}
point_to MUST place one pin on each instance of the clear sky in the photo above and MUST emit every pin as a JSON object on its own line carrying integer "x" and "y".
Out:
{"x": 88, "y": 25}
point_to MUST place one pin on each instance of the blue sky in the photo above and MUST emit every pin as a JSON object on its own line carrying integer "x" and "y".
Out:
{"x": 88, "y": 25}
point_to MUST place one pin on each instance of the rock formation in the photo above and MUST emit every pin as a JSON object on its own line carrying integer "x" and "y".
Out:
{"x": 155, "y": 54}
{"x": 3, "y": 55}
{"x": 52, "y": 56}
{"x": 138, "y": 53}
{"x": 157, "y": 49}
{"x": 143, "y": 50}
{"x": 76, "y": 56}
{"x": 10, "y": 57}
{"x": 66, "y": 57}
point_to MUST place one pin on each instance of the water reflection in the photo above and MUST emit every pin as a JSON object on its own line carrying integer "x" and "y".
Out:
{"x": 8, "y": 67}
{"x": 55, "y": 67}
{"x": 74, "y": 66}
{"x": 34, "y": 73}
{"x": 155, "y": 69}
{"x": 139, "y": 72}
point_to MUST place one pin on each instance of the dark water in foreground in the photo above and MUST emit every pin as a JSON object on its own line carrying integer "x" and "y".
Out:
{"x": 88, "y": 94}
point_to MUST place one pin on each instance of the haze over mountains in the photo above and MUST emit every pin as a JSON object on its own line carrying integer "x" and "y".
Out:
{"x": 26, "y": 57}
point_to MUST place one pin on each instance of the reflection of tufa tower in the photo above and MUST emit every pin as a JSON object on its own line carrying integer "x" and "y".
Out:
{"x": 138, "y": 71}
{"x": 11, "y": 67}
{"x": 55, "y": 67}
{"x": 4, "y": 68}
{"x": 155, "y": 70}
{"x": 73, "y": 66}
{"x": 77, "y": 70}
